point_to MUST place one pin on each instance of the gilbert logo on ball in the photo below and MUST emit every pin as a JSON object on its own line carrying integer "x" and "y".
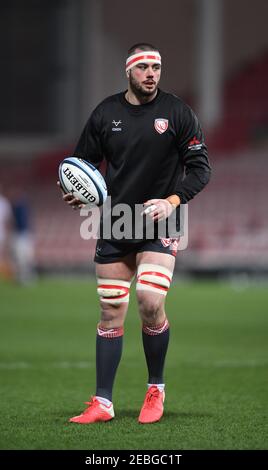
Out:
{"x": 83, "y": 180}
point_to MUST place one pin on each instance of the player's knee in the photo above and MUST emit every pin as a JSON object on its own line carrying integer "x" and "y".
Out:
{"x": 153, "y": 282}
{"x": 150, "y": 308}
{"x": 113, "y": 292}
{"x": 111, "y": 313}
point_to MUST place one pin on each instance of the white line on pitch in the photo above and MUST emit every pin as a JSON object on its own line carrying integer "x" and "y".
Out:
{"x": 47, "y": 365}
{"x": 87, "y": 364}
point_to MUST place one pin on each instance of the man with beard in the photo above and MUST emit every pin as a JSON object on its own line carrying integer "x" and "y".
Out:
{"x": 156, "y": 156}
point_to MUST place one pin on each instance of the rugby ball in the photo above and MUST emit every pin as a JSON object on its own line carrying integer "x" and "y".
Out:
{"x": 83, "y": 180}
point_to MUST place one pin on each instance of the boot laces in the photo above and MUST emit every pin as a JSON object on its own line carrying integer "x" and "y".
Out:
{"x": 92, "y": 403}
{"x": 151, "y": 395}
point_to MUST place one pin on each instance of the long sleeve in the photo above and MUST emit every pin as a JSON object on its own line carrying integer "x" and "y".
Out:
{"x": 193, "y": 151}
{"x": 89, "y": 145}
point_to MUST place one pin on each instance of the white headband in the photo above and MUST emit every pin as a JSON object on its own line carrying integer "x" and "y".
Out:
{"x": 147, "y": 57}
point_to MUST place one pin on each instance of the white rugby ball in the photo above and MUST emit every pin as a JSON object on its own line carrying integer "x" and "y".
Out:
{"x": 83, "y": 180}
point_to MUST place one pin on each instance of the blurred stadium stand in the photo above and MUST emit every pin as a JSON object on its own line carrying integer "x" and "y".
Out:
{"x": 55, "y": 72}
{"x": 228, "y": 222}
{"x": 245, "y": 114}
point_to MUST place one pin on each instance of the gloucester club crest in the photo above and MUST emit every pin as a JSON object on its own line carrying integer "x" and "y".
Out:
{"x": 161, "y": 125}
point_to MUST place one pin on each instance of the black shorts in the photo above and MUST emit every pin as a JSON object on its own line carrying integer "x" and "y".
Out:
{"x": 111, "y": 252}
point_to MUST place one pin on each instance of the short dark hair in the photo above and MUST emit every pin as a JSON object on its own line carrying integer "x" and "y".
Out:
{"x": 144, "y": 46}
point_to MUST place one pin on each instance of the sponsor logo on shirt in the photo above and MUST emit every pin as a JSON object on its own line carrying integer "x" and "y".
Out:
{"x": 195, "y": 144}
{"x": 161, "y": 125}
{"x": 116, "y": 124}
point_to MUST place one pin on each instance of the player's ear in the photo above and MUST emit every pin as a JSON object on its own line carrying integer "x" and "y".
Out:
{"x": 128, "y": 73}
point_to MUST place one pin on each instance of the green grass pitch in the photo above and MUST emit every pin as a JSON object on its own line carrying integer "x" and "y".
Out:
{"x": 216, "y": 369}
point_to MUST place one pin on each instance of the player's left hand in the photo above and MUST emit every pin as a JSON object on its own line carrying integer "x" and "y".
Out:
{"x": 71, "y": 201}
{"x": 158, "y": 209}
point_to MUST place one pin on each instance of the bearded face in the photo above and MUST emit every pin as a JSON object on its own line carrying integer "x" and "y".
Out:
{"x": 144, "y": 79}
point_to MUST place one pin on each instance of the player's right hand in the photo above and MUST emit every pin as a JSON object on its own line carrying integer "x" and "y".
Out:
{"x": 70, "y": 199}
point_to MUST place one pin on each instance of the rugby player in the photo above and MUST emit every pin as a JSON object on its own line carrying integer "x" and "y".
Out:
{"x": 156, "y": 156}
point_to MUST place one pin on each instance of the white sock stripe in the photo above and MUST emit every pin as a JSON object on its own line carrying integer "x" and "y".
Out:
{"x": 161, "y": 387}
{"x": 104, "y": 401}
{"x": 156, "y": 330}
{"x": 110, "y": 332}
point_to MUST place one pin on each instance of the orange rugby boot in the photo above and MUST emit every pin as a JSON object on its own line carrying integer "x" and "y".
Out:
{"x": 95, "y": 412}
{"x": 153, "y": 406}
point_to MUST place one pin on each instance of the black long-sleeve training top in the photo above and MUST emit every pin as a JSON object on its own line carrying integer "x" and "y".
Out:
{"x": 152, "y": 150}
